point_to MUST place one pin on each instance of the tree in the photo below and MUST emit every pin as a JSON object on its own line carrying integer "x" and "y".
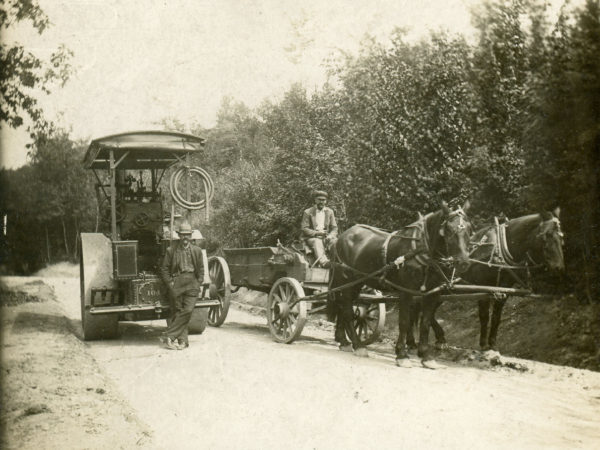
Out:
{"x": 563, "y": 141}
{"x": 22, "y": 74}
{"x": 48, "y": 202}
{"x": 238, "y": 136}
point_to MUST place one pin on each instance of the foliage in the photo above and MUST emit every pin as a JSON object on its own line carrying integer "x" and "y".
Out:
{"x": 564, "y": 135}
{"x": 47, "y": 203}
{"x": 509, "y": 121}
{"x": 504, "y": 122}
{"x": 23, "y": 74}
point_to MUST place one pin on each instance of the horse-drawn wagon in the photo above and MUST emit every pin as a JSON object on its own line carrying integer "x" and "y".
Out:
{"x": 295, "y": 288}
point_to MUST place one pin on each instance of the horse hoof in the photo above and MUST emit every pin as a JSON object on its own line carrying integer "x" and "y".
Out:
{"x": 441, "y": 346}
{"x": 432, "y": 364}
{"x": 404, "y": 363}
{"x": 489, "y": 354}
{"x": 362, "y": 352}
{"x": 346, "y": 348}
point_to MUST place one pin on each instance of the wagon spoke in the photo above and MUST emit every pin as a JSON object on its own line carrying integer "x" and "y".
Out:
{"x": 276, "y": 299}
{"x": 288, "y": 295}
{"x": 282, "y": 293}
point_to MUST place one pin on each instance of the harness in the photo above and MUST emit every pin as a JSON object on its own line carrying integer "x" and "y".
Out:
{"x": 418, "y": 233}
{"x": 503, "y": 256}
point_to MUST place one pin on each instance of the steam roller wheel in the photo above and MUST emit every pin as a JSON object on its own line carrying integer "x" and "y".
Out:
{"x": 286, "y": 315}
{"x": 198, "y": 322}
{"x": 95, "y": 269}
{"x": 220, "y": 288}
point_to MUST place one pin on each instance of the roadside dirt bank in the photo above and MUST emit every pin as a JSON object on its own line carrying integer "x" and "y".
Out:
{"x": 54, "y": 395}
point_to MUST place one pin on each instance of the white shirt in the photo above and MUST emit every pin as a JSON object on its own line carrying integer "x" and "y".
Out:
{"x": 320, "y": 220}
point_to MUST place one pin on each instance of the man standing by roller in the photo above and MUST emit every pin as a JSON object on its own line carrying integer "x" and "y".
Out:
{"x": 182, "y": 271}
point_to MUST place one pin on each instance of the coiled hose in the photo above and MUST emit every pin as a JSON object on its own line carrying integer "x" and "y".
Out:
{"x": 209, "y": 187}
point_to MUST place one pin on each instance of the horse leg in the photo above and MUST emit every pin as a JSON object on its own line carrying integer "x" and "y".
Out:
{"x": 440, "y": 336}
{"x": 347, "y": 313}
{"x": 484, "y": 317}
{"x": 496, "y": 316}
{"x": 404, "y": 323}
{"x": 415, "y": 311}
{"x": 340, "y": 328}
{"x": 340, "y": 334}
{"x": 334, "y": 310}
{"x": 429, "y": 305}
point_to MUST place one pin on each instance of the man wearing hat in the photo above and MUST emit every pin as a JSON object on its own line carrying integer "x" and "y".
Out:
{"x": 182, "y": 271}
{"x": 319, "y": 227}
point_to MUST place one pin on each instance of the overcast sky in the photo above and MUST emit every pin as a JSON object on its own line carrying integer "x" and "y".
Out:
{"x": 139, "y": 61}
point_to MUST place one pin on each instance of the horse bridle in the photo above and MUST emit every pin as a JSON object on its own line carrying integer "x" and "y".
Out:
{"x": 540, "y": 235}
{"x": 462, "y": 225}
{"x": 504, "y": 253}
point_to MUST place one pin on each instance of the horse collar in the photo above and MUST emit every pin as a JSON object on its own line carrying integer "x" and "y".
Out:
{"x": 385, "y": 246}
{"x": 504, "y": 252}
{"x": 503, "y": 243}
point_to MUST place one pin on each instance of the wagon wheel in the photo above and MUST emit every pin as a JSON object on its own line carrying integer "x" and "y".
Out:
{"x": 286, "y": 321}
{"x": 368, "y": 321}
{"x": 220, "y": 288}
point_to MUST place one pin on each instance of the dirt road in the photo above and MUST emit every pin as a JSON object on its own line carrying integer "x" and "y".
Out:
{"x": 235, "y": 388}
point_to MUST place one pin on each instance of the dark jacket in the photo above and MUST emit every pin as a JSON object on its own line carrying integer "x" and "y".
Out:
{"x": 309, "y": 224}
{"x": 172, "y": 258}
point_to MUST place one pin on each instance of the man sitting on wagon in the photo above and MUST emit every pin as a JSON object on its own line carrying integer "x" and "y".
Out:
{"x": 319, "y": 227}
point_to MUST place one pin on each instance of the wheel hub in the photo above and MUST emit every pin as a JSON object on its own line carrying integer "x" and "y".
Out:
{"x": 360, "y": 312}
{"x": 282, "y": 309}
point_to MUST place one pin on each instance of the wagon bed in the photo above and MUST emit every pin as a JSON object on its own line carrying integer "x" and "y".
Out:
{"x": 295, "y": 290}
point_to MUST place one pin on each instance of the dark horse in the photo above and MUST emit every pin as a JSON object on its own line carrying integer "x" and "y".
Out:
{"x": 506, "y": 255}
{"x": 413, "y": 256}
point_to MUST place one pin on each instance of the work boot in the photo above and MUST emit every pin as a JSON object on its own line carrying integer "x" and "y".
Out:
{"x": 171, "y": 344}
{"x": 181, "y": 344}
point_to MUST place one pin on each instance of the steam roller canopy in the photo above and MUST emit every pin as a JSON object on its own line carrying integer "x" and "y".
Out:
{"x": 209, "y": 188}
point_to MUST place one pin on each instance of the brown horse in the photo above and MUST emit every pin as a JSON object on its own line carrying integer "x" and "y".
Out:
{"x": 506, "y": 255}
{"x": 418, "y": 252}
{"x": 515, "y": 249}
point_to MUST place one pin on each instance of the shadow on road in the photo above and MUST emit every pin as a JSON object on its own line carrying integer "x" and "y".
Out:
{"x": 27, "y": 322}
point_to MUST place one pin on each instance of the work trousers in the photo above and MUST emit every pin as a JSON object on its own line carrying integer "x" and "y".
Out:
{"x": 186, "y": 288}
{"x": 318, "y": 248}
